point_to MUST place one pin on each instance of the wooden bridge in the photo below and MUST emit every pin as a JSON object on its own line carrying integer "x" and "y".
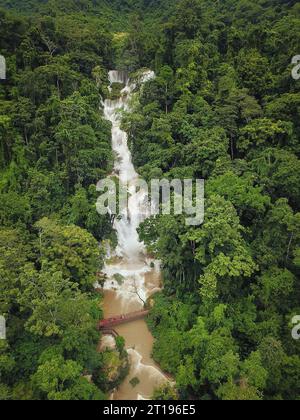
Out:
{"x": 109, "y": 323}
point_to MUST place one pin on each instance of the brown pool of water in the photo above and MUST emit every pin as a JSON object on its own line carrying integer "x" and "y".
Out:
{"x": 139, "y": 344}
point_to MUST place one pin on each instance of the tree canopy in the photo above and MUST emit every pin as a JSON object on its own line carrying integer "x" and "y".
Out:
{"x": 223, "y": 107}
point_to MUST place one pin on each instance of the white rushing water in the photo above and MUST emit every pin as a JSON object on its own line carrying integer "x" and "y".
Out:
{"x": 128, "y": 242}
{"x": 134, "y": 264}
{"x": 139, "y": 274}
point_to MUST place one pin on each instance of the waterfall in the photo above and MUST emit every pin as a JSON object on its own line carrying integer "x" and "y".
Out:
{"x": 133, "y": 266}
{"x": 129, "y": 247}
{"x": 139, "y": 278}
{"x": 117, "y": 76}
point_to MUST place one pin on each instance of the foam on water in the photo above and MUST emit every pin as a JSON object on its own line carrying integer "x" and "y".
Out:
{"x": 108, "y": 342}
{"x": 139, "y": 368}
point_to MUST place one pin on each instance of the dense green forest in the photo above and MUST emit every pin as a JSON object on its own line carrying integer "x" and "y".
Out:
{"x": 223, "y": 107}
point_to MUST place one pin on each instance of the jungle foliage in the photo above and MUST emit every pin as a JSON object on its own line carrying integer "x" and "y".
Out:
{"x": 223, "y": 107}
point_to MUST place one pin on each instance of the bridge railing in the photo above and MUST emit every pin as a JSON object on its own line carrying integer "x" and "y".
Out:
{"x": 122, "y": 319}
